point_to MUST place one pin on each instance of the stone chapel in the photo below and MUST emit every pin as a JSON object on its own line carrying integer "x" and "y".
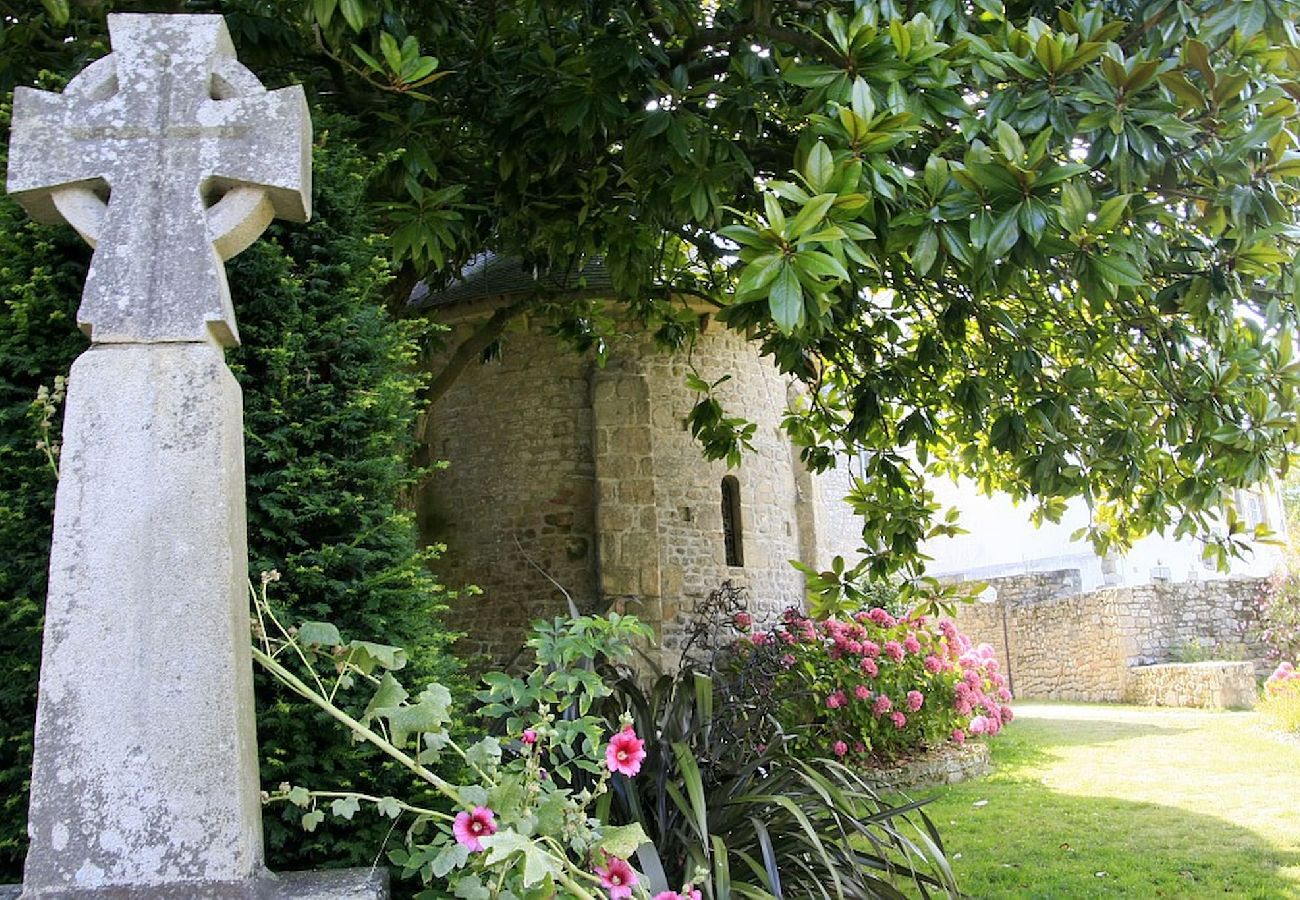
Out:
{"x": 564, "y": 473}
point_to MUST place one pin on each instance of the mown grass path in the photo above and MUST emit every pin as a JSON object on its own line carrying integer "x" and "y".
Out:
{"x": 1116, "y": 801}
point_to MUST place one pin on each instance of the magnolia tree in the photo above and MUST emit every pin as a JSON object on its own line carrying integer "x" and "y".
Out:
{"x": 1049, "y": 248}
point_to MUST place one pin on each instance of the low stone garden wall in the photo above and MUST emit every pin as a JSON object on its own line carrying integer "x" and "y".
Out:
{"x": 1210, "y": 685}
{"x": 1056, "y": 643}
{"x": 944, "y": 765}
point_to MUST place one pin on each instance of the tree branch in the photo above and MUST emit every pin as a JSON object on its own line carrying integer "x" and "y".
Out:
{"x": 469, "y": 350}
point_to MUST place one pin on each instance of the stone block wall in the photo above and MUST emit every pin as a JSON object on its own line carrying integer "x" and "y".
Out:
{"x": 1062, "y": 645}
{"x": 589, "y": 472}
{"x": 1209, "y": 685}
{"x": 520, "y": 484}
{"x": 688, "y": 489}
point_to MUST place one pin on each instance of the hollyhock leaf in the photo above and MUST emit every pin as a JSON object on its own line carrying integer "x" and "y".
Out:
{"x": 622, "y": 840}
{"x": 470, "y": 887}
{"x": 345, "y": 807}
{"x": 486, "y": 754}
{"x": 453, "y": 856}
{"x": 318, "y": 634}
{"x": 505, "y": 844}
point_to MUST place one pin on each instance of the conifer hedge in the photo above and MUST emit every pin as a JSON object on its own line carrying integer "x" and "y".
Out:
{"x": 329, "y": 394}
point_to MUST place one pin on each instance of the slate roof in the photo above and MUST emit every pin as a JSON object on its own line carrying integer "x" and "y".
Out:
{"x": 490, "y": 275}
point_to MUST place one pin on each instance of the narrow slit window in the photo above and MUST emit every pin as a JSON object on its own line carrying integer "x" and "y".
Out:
{"x": 732, "y": 530}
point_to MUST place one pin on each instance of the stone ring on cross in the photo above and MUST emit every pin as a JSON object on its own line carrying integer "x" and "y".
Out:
{"x": 166, "y": 142}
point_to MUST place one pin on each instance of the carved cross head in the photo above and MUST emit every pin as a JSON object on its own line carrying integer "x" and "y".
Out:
{"x": 168, "y": 157}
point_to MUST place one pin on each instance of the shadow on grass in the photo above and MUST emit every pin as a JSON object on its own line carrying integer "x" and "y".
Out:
{"x": 1047, "y": 731}
{"x": 1025, "y": 840}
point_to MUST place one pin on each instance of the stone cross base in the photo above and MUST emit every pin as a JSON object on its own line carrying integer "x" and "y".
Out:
{"x": 338, "y": 884}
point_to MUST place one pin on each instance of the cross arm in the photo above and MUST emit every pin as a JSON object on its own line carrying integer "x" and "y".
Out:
{"x": 42, "y": 159}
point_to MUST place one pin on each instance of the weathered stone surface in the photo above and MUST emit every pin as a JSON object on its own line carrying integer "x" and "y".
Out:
{"x": 198, "y": 157}
{"x": 948, "y": 764}
{"x": 1208, "y": 685}
{"x": 338, "y": 884}
{"x": 1059, "y": 644}
{"x": 145, "y": 768}
{"x": 607, "y": 447}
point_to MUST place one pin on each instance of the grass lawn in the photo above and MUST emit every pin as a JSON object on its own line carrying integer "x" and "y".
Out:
{"x": 1115, "y": 801}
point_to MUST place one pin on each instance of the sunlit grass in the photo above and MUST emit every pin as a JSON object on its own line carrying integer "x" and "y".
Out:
{"x": 1112, "y": 801}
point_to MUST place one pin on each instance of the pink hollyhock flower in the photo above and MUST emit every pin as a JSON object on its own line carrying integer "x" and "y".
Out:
{"x": 786, "y": 637}
{"x": 869, "y": 666}
{"x": 911, "y": 644}
{"x": 787, "y": 660}
{"x": 971, "y": 677}
{"x": 743, "y": 620}
{"x": 948, "y": 629}
{"x": 986, "y": 651}
{"x": 470, "y": 827}
{"x": 625, "y": 753}
{"x": 840, "y": 748}
{"x": 529, "y": 736}
{"x": 688, "y": 893}
{"x": 859, "y": 747}
{"x": 617, "y": 877}
{"x": 914, "y": 700}
{"x": 933, "y": 664}
{"x": 995, "y": 725}
{"x": 870, "y": 648}
{"x": 854, "y": 647}
{"x": 758, "y": 639}
{"x": 898, "y": 719}
{"x": 836, "y": 700}
{"x": 1006, "y": 715}
{"x": 979, "y": 725}
{"x": 959, "y": 736}
{"x": 862, "y": 692}
{"x": 894, "y": 650}
{"x": 882, "y": 705}
{"x": 1004, "y": 695}
{"x": 963, "y": 707}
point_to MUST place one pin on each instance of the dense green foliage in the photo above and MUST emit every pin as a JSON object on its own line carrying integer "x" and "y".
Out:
{"x": 329, "y": 407}
{"x": 329, "y": 412}
{"x": 1046, "y": 246}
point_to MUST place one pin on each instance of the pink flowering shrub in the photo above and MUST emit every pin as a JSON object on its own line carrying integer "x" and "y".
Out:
{"x": 1281, "y": 701}
{"x": 874, "y": 684}
{"x": 1284, "y": 678}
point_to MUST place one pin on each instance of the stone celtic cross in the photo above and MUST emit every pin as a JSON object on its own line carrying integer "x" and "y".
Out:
{"x": 168, "y": 156}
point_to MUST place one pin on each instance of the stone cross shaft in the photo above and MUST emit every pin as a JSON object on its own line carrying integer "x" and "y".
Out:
{"x": 169, "y": 157}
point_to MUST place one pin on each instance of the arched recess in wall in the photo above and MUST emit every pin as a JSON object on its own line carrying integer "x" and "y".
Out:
{"x": 732, "y": 524}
